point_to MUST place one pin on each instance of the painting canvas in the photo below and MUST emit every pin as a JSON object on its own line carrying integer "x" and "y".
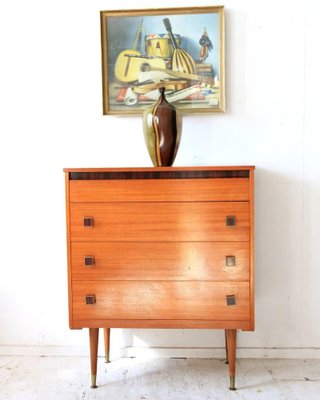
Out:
{"x": 180, "y": 49}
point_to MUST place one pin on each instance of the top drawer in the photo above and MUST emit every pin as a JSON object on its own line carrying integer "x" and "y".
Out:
{"x": 137, "y": 190}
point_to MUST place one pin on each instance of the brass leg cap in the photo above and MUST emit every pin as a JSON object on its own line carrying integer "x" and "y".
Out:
{"x": 232, "y": 383}
{"x": 93, "y": 382}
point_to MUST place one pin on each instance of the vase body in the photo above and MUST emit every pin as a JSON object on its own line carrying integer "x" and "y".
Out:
{"x": 162, "y": 125}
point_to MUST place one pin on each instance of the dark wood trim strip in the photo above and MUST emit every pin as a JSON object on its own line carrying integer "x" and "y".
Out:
{"x": 200, "y": 174}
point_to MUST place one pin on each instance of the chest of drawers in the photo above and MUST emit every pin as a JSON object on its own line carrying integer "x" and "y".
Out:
{"x": 160, "y": 248}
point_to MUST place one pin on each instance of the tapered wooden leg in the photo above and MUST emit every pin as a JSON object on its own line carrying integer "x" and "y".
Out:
{"x": 107, "y": 344}
{"x": 225, "y": 337}
{"x": 231, "y": 335}
{"x": 94, "y": 338}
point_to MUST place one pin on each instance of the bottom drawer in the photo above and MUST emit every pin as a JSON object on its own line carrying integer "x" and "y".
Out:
{"x": 129, "y": 300}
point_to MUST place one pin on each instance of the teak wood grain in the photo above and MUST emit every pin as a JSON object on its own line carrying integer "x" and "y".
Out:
{"x": 168, "y": 323}
{"x": 252, "y": 273}
{"x": 160, "y": 300}
{"x": 204, "y": 261}
{"x": 231, "y": 189}
{"x": 68, "y": 226}
{"x": 203, "y": 221}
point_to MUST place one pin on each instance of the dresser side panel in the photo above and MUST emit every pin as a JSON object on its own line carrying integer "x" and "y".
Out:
{"x": 68, "y": 228}
{"x": 252, "y": 257}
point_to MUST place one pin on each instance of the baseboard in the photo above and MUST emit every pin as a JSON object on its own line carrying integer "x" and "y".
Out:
{"x": 160, "y": 352}
{"x": 44, "y": 351}
{"x": 220, "y": 352}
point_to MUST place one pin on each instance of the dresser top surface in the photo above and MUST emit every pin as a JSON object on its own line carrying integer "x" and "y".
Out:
{"x": 163, "y": 169}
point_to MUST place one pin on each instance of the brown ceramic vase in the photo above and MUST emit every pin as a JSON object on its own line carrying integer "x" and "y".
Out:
{"x": 162, "y": 124}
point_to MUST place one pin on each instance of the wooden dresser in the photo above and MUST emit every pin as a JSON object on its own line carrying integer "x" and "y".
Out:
{"x": 164, "y": 247}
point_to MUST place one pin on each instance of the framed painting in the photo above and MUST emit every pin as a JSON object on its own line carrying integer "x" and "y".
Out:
{"x": 181, "y": 49}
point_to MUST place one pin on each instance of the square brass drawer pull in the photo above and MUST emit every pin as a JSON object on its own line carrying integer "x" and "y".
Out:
{"x": 90, "y": 299}
{"x": 230, "y": 261}
{"x": 89, "y": 261}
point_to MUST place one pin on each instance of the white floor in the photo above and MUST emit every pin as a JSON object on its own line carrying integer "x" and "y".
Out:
{"x": 66, "y": 378}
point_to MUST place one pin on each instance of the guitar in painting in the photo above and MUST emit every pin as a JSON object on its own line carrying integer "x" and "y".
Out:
{"x": 128, "y": 63}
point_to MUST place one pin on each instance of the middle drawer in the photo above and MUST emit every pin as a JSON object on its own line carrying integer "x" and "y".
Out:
{"x": 213, "y": 261}
{"x": 199, "y": 221}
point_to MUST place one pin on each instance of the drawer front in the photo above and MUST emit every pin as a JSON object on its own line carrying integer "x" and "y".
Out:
{"x": 217, "y": 261}
{"x": 203, "y": 221}
{"x": 224, "y": 189}
{"x": 156, "y": 300}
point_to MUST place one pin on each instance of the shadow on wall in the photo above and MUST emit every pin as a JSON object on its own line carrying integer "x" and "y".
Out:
{"x": 278, "y": 259}
{"x": 173, "y": 338}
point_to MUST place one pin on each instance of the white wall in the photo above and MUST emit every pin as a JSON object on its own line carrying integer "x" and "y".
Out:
{"x": 51, "y": 117}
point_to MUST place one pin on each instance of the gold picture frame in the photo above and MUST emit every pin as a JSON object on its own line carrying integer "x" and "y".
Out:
{"x": 180, "y": 48}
